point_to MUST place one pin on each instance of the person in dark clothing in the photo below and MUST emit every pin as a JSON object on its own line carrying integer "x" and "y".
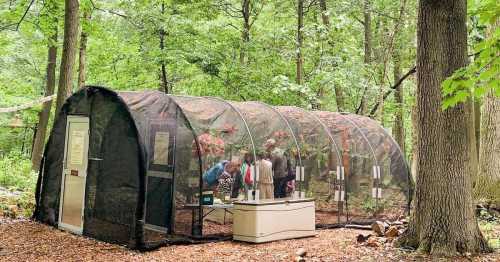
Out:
{"x": 237, "y": 184}
{"x": 278, "y": 159}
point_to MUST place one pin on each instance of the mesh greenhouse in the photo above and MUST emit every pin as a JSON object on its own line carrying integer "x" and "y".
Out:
{"x": 131, "y": 167}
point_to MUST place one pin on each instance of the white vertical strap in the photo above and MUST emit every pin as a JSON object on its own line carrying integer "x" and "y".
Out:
{"x": 379, "y": 195}
{"x": 378, "y": 172}
{"x": 302, "y": 173}
{"x": 337, "y": 195}
{"x": 374, "y": 192}
{"x": 338, "y": 172}
{"x": 342, "y": 193}
{"x": 257, "y": 194}
{"x": 342, "y": 173}
{"x": 297, "y": 173}
{"x": 249, "y": 195}
{"x": 374, "y": 172}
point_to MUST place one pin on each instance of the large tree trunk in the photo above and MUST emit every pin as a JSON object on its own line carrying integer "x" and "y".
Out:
{"x": 443, "y": 222}
{"x": 339, "y": 93}
{"x": 83, "y": 53}
{"x": 64, "y": 88}
{"x": 299, "y": 78}
{"x": 245, "y": 33}
{"x": 367, "y": 24}
{"x": 43, "y": 120}
{"x": 398, "y": 129}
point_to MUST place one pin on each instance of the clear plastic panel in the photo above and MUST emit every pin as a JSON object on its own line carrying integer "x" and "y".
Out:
{"x": 187, "y": 181}
{"x": 358, "y": 160}
{"x": 393, "y": 183}
{"x": 274, "y": 142}
{"x": 222, "y": 139}
{"x": 321, "y": 159}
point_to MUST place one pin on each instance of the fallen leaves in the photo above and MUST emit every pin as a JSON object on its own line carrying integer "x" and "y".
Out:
{"x": 24, "y": 240}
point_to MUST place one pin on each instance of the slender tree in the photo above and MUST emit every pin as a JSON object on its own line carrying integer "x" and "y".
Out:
{"x": 398, "y": 130}
{"x": 387, "y": 54}
{"x": 163, "y": 67}
{"x": 367, "y": 25}
{"x": 43, "y": 119}
{"x": 82, "y": 55}
{"x": 299, "y": 61}
{"x": 443, "y": 222}
{"x": 64, "y": 88}
{"x": 325, "y": 18}
{"x": 245, "y": 33}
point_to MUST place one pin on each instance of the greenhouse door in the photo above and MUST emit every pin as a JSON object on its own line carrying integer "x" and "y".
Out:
{"x": 72, "y": 198}
{"x": 159, "y": 179}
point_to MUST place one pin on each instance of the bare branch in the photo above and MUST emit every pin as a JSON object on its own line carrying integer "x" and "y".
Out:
{"x": 307, "y": 7}
{"x": 392, "y": 88}
{"x": 20, "y": 20}
{"x": 27, "y": 105}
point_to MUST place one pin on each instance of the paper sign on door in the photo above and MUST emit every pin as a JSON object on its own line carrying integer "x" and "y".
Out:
{"x": 161, "y": 148}
{"x": 76, "y": 150}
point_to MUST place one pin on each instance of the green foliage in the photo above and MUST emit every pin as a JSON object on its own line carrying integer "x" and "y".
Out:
{"x": 16, "y": 174}
{"x": 482, "y": 75}
{"x": 373, "y": 206}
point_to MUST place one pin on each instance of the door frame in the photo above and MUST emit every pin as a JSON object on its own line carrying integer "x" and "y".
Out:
{"x": 60, "y": 224}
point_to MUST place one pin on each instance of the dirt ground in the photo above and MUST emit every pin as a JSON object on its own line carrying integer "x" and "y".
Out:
{"x": 23, "y": 240}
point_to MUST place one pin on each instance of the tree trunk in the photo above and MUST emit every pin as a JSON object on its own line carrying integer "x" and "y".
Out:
{"x": 64, "y": 89}
{"x": 488, "y": 183}
{"x": 163, "y": 68}
{"x": 43, "y": 120}
{"x": 83, "y": 53}
{"x": 367, "y": 24}
{"x": 245, "y": 33}
{"x": 398, "y": 130}
{"x": 368, "y": 31}
{"x": 443, "y": 222}
{"x": 325, "y": 18}
{"x": 299, "y": 79}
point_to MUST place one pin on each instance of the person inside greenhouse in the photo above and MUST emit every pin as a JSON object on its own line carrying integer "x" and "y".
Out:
{"x": 221, "y": 176}
{"x": 246, "y": 170}
{"x": 238, "y": 185}
{"x": 265, "y": 183}
{"x": 279, "y": 166}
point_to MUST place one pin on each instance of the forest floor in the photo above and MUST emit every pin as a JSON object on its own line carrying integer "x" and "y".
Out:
{"x": 24, "y": 240}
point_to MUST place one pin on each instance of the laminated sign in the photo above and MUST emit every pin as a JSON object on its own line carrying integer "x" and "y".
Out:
{"x": 161, "y": 148}
{"x": 76, "y": 150}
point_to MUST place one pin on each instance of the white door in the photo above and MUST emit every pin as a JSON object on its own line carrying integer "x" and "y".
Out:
{"x": 72, "y": 199}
